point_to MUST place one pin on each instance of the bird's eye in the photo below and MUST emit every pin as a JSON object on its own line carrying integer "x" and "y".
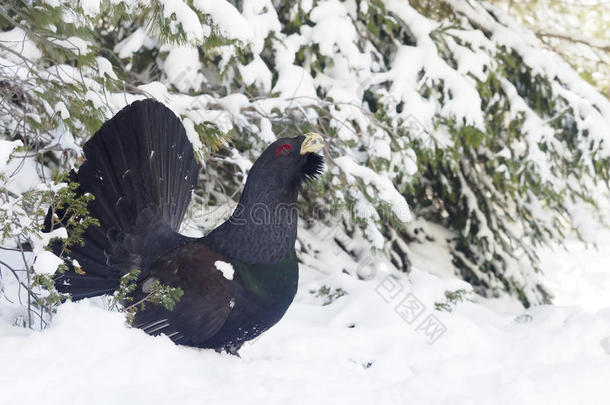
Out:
{"x": 283, "y": 150}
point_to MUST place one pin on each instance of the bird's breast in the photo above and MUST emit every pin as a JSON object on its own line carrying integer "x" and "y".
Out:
{"x": 266, "y": 291}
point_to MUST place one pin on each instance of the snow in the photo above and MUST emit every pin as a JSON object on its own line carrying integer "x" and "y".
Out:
{"x": 91, "y": 7}
{"x": 464, "y": 103}
{"x": 40, "y": 243}
{"x": 185, "y": 17}
{"x": 105, "y": 67}
{"x": 46, "y": 263}
{"x": 74, "y": 44}
{"x": 233, "y": 103}
{"x": 381, "y": 148}
{"x": 256, "y": 72}
{"x": 266, "y": 132}
{"x": 383, "y": 184}
{"x": 182, "y": 68}
{"x": 131, "y": 44}
{"x": 294, "y": 82}
{"x": 228, "y": 19}
{"x": 578, "y": 274}
{"x": 225, "y": 268}
{"x": 96, "y": 99}
{"x": 242, "y": 163}
{"x": 6, "y": 149}
{"x": 263, "y": 20}
{"x": 334, "y": 32}
{"x": 62, "y": 110}
{"x": 17, "y": 41}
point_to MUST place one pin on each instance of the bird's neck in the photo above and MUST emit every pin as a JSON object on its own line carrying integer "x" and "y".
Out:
{"x": 263, "y": 227}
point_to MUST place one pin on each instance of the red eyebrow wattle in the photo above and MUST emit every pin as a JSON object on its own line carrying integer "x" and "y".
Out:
{"x": 281, "y": 148}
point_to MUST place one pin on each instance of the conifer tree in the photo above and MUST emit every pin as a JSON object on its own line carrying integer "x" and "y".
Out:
{"x": 435, "y": 113}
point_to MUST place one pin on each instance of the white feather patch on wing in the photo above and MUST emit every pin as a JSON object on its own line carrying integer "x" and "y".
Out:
{"x": 225, "y": 268}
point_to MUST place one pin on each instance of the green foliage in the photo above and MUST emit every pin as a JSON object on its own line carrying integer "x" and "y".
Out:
{"x": 157, "y": 294}
{"x": 127, "y": 286}
{"x": 73, "y": 211}
{"x": 48, "y": 300}
{"x": 211, "y": 136}
{"x": 163, "y": 295}
{"x": 452, "y": 298}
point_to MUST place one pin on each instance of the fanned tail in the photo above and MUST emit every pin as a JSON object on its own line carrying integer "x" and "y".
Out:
{"x": 141, "y": 169}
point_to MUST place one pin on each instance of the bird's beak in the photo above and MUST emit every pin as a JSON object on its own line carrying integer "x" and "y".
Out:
{"x": 313, "y": 142}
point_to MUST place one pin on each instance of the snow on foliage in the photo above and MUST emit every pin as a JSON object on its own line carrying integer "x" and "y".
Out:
{"x": 46, "y": 263}
{"x": 449, "y": 113}
{"x": 577, "y": 30}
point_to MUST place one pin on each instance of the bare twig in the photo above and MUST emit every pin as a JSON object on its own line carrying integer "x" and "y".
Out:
{"x": 592, "y": 42}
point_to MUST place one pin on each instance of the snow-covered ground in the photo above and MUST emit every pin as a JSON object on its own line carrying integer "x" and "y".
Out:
{"x": 580, "y": 276}
{"x": 382, "y": 343}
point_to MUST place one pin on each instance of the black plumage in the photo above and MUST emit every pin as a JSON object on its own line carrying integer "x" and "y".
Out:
{"x": 141, "y": 169}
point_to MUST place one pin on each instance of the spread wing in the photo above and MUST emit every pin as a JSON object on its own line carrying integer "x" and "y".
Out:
{"x": 205, "y": 304}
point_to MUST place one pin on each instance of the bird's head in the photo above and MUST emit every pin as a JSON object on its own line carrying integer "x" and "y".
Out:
{"x": 288, "y": 162}
{"x": 265, "y": 220}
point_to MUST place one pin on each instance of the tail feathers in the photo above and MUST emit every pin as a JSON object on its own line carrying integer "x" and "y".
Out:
{"x": 140, "y": 158}
{"x": 84, "y": 286}
{"x": 141, "y": 169}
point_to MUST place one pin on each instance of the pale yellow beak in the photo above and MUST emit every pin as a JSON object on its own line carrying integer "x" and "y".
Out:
{"x": 313, "y": 142}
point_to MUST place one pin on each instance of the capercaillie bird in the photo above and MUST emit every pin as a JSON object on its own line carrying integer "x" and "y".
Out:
{"x": 238, "y": 280}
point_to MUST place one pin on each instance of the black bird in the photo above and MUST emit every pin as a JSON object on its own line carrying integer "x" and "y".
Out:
{"x": 141, "y": 169}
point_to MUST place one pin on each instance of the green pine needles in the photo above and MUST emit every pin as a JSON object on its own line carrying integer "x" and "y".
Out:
{"x": 157, "y": 294}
